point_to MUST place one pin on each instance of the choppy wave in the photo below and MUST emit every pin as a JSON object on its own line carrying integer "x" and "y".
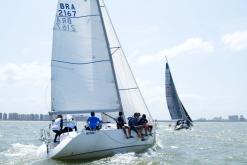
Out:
{"x": 191, "y": 147}
{"x": 174, "y": 147}
{"x": 19, "y": 154}
{"x": 41, "y": 151}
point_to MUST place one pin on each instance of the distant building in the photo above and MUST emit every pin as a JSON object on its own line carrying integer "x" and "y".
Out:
{"x": 241, "y": 118}
{"x": 36, "y": 117}
{"x": 202, "y": 119}
{"x": 47, "y": 118}
{"x": 5, "y": 116}
{"x": 41, "y": 117}
{"x": 218, "y": 118}
{"x": 13, "y": 116}
{"x": 233, "y": 118}
{"x": 1, "y": 115}
{"x": 80, "y": 117}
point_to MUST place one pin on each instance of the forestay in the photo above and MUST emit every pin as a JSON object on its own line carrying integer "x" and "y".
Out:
{"x": 82, "y": 70}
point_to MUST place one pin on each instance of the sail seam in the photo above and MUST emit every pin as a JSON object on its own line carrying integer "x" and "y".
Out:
{"x": 80, "y": 63}
{"x": 83, "y": 16}
{"x": 83, "y": 111}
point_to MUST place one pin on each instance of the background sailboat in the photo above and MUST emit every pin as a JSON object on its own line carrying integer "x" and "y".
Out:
{"x": 90, "y": 73}
{"x": 175, "y": 106}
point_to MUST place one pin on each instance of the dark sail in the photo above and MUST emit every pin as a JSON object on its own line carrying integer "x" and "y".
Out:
{"x": 186, "y": 113}
{"x": 171, "y": 96}
{"x": 175, "y": 106}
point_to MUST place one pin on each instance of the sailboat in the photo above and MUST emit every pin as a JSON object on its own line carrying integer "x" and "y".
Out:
{"x": 176, "y": 108}
{"x": 90, "y": 73}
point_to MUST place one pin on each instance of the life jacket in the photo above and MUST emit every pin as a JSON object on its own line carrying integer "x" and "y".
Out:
{"x": 143, "y": 121}
{"x": 131, "y": 121}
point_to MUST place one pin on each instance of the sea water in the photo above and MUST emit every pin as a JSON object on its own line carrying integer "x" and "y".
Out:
{"x": 206, "y": 144}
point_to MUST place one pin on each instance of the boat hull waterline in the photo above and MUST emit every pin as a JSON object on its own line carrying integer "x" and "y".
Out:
{"x": 97, "y": 144}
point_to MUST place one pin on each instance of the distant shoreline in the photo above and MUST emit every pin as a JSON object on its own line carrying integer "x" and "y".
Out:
{"x": 199, "y": 121}
{"x": 160, "y": 121}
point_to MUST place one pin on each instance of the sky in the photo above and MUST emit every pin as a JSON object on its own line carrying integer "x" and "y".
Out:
{"x": 205, "y": 42}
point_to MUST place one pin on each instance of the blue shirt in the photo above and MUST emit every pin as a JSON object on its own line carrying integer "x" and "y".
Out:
{"x": 93, "y": 122}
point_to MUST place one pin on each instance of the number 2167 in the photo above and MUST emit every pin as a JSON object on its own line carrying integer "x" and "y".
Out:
{"x": 65, "y": 13}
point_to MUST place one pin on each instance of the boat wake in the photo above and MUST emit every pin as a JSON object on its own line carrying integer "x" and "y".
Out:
{"x": 127, "y": 158}
{"x": 41, "y": 152}
{"x": 20, "y": 153}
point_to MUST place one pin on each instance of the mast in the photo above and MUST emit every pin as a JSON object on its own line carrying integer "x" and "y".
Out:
{"x": 109, "y": 52}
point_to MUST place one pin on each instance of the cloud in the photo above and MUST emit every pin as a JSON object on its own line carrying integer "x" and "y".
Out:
{"x": 25, "y": 87}
{"x": 35, "y": 73}
{"x": 190, "y": 46}
{"x": 236, "y": 41}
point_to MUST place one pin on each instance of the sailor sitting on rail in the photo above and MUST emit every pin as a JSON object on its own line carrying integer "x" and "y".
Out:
{"x": 133, "y": 124}
{"x": 93, "y": 122}
{"x": 144, "y": 123}
{"x": 70, "y": 125}
{"x": 121, "y": 125}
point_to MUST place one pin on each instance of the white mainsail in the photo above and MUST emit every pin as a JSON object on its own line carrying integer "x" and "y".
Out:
{"x": 82, "y": 71}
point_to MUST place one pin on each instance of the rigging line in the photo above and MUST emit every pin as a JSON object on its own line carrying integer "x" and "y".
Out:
{"x": 82, "y": 63}
{"x": 124, "y": 89}
{"x": 83, "y": 16}
{"x": 110, "y": 116}
{"x": 116, "y": 49}
{"x": 125, "y": 58}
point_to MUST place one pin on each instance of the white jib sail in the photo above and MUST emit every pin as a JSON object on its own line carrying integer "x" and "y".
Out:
{"x": 131, "y": 97}
{"x": 82, "y": 72}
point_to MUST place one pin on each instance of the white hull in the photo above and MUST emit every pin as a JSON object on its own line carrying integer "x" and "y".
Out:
{"x": 182, "y": 126}
{"x": 97, "y": 144}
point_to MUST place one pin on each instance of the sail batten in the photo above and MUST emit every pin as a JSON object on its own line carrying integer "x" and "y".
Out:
{"x": 57, "y": 112}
